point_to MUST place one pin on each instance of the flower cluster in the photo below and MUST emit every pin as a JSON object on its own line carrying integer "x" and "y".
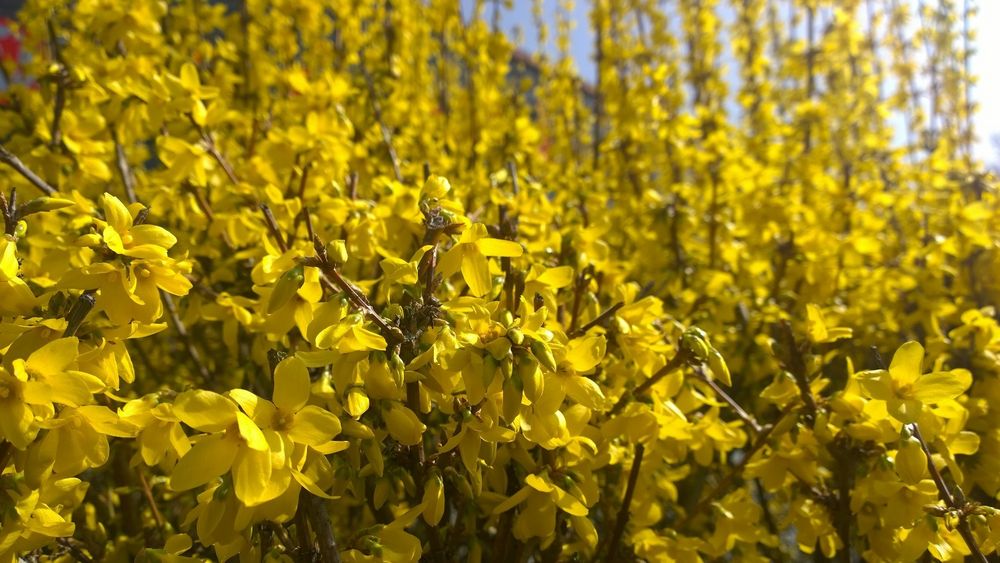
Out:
{"x": 349, "y": 281}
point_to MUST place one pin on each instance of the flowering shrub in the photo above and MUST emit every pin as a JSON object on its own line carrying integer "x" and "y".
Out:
{"x": 334, "y": 281}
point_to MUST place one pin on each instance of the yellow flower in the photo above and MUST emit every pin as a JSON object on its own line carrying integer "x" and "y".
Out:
{"x": 470, "y": 256}
{"x": 905, "y": 389}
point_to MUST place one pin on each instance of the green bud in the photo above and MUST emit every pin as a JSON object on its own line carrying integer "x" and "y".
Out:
{"x": 543, "y": 354}
{"x": 337, "y": 251}
{"x": 40, "y": 204}
{"x": 512, "y": 393}
{"x": 20, "y": 229}
{"x": 285, "y": 288}
{"x": 398, "y": 370}
{"x": 490, "y": 365}
{"x": 506, "y": 318}
{"x": 515, "y": 336}
{"x": 90, "y": 239}
{"x": 694, "y": 342}
{"x": 719, "y": 368}
{"x": 530, "y": 377}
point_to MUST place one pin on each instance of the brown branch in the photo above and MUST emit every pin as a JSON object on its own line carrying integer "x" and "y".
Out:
{"x": 598, "y": 320}
{"x": 949, "y": 499}
{"x": 147, "y": 492}
{"x": 331, "y": 279}
{"x": 796, "y": 365}
{"x": 11, "y": 160}
{"x": 272, "y": 227}
{"x": 8, "y": 211}
{"x": 624, "y": 511}
{"x": 726, "y": 481}
{"x": 377, "y": 108}
{"x": 676, "y": 362}
{"x": 213, "y": 150}
{"x": 743, "y": 415}
{"x": 6, "y": 452}
{"x": 79, "y": 311}
{"x": 186, "y": 339}
{"x": 59, "y": 104}
{"x": 319, "y": 519}
{"x": 124, "y": 170}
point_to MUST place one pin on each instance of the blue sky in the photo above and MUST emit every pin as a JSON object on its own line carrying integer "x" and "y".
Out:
{"x": 986, "y": 92}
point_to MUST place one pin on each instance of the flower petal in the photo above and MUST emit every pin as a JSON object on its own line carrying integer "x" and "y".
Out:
{"x": 942, "y": 385}
{"x": 291, "y": 384}
{"x": 208, "y": 459}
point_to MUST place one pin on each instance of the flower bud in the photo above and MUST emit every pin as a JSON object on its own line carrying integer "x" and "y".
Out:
{"x": 403, "y": 424}
{"x": 719, "y": 368}
{"x": 530, "y": 376}
{"x": 695, "y": 343}
{"x": 543, "y": 354}
{"x": 337, "y": 251}
{"x": 285, "y": 288}
{"x": 436, "y": 186}
{"x": 357, "y": 402}
{"x": 515, "y": 336}
{"x": 89, "y": 239}
{"x": 512, "y": 393}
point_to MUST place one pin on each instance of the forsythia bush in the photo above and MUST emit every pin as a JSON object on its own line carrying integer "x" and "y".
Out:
{"x": 351, "y": 281}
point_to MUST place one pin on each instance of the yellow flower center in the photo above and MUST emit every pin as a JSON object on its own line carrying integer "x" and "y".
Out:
{"x": 143, "y": 272}
{"x": 283, "y": 420}
{"x": 127, "y": 239}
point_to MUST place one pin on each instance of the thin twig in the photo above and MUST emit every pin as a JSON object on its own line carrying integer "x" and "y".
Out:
{"x": 677, "y": 361}
{"x": 188, "y": 342}
{"x": 272, "y": 227}
{"x": 6, "y": 451}
{"x": 377, "y": 109}
{"x": 743, "y": 415}
{"x": 598, "y": 320}
{"x": 128, "y": 179}
{"x": 949, "y": 499}
{"x": 726, "y": 481}
{"x": 624, "y": 511}
{"x": 319, "y": 519}
{"x": 75, "y": 550}
{"x": 796, "y": 365}
{"x": 332, "y": 279}
{"x": 59, "y": 104}
{"x": 147, "y": 492}
{"x": 84, "y": 304}
{"x": 213, "y": 150}
{"x": 11, "y": 160}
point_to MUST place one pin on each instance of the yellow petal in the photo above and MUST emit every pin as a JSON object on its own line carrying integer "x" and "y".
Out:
{"x": 115, "y": 213}
{"x": 205, "y": 410}
{"x": 313, "y": 426}
{"x": 291, "y": 384}
{"x": 53, "y": 358}
{"x": 209, "y": 458}
{"x": 942, "y": 385}
{"x": 476, "y": 271}
{"x": 514, "y": 500}
{"x": 152, "y": 235}
{"x": 586, "y": 392}
{"x": 586, "y": 352}
{"x": 403, "y": 425}
{"x": 251, "y": 432}
{"x": 499, "y": 247}
{"x": 907, "y": 363}
{"x": 251, "y": 476}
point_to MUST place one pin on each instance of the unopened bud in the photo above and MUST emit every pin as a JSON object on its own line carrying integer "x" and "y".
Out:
{"x": 337, "y": 251}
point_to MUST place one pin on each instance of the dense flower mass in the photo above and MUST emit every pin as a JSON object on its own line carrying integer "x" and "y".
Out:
{"x": 356, "y": 281}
